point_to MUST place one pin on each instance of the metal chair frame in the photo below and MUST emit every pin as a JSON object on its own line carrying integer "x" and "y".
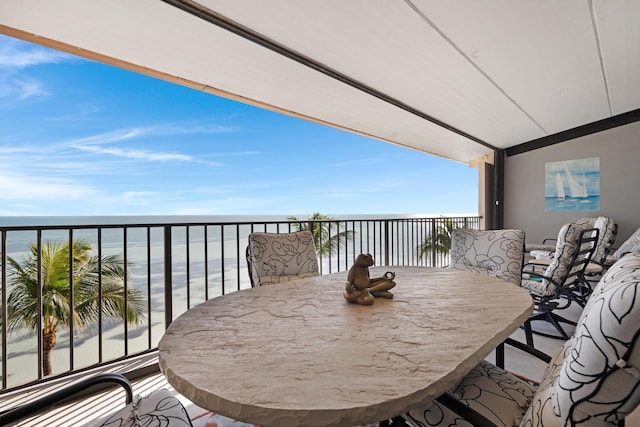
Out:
{"x": 546, "y": 305}
{"x": 58, "y": 397}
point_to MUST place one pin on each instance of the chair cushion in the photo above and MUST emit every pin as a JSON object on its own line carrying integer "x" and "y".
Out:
{"x": 542, "y": 253}
{"x": 591, "y": 385}
{"x": 606, "y": 227}
{"x": 540, "y": 412}
{"x": 566, "y": 246}
{"x": 632, "y": 244}
{"x": 545, "y": 248}
{"x": 497, "y": 253}
{"x": 274, "y": 256}
{"x": 489, "y": 390}
{"x": 606, "y": 237}
{"x": 160, "y": 408}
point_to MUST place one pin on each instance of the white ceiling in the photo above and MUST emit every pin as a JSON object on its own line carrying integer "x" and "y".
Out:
{"x": 437, "y": 76}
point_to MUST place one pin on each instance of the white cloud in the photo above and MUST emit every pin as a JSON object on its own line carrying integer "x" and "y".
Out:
{"x": 84, "y": 110}
{"x": 137, "y": 154}
{"x": 24, "y": 187}
{"x": 150, "y": 131}
{"x": 27, "y": 88}
{"x": 18, "y": 54}
{"x": 22, "y": 89}
{"x": 95, "y": 143}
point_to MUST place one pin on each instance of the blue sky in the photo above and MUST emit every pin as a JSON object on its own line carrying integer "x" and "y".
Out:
{"x": 82, "y": 138}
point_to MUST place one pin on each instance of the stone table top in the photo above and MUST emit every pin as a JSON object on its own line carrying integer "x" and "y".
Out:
{"x": 297, "y": 354}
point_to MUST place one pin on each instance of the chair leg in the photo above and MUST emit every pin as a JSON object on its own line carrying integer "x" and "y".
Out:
{"x": 500, "y": 356}
{"x": 555, "y": 320}
{"x": 528, "y": 333}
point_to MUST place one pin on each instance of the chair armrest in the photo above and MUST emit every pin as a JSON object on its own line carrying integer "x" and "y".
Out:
{"x": 550, "y": 240}
{"x": 42, "y": 403}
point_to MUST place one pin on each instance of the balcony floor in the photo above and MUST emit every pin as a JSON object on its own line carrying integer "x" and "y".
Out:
{"x": 100, "y": 404}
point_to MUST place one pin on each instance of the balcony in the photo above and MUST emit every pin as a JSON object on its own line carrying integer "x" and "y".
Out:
{"x": 176, "y": 266}
{"x": 170, "y": 267}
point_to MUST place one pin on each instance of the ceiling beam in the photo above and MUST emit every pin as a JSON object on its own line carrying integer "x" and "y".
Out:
{"x": 214, "y": 18}
{"x": 577, "y": 132}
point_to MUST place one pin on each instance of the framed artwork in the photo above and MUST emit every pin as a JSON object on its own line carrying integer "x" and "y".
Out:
{"x": 572, "y": 185}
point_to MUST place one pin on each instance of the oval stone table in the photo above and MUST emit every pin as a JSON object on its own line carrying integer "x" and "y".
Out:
{"x": 297, "y": 354}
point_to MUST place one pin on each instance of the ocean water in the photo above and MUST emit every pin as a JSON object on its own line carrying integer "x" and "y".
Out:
{"x": 10, "y": 221}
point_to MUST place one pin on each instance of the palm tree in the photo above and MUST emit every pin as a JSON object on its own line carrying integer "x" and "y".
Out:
{"x": 327, "y": 234}
{"x": 440, "y": 242}
{"x": 90, "y": 297}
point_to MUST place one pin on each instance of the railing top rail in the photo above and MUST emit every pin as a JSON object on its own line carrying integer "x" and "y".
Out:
{"x": 213, "y": 223}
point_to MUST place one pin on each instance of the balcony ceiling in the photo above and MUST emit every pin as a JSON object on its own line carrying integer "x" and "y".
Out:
{"x": 451, "y": 78}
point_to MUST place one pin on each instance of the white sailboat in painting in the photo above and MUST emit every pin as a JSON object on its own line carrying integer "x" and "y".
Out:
{"x": 572, "y": 185}
{"x": 559, "y": 187}
{"x": 576, "y": 190}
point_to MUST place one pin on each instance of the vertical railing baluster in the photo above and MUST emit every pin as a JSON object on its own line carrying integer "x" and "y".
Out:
{"x": 223, "y": 275}
{"x": 100, "y": 329}
{"x": 206, "y": 262}
{"x": 239, "y": 256}
{"x": 149, "y": 307}
{"x": 433, "y": 242}
{"x": 71, "y": 300}
{"x": 5, "y": 311}
{"x": 374, "y": 241}
{"x": 125, "y": 257}
{"x": 168, "y": 280}
{"x": 39, "y": 297}
{"x": 188, "y": 266}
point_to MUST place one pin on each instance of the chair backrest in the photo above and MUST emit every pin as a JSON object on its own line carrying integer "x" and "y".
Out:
{"x": 574, "y": 249}
{"x": 497, "y": 253}
{"x": 632, "y": 244}
{"x": 595, "y": 379}
{"x": 607, "y": 229}
{"x": 280, "y": 257}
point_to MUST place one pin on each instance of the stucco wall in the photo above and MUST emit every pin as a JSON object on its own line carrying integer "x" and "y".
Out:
{"x": 619, "y": 152}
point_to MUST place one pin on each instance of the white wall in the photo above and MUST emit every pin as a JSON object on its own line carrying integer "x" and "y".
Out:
{"x": 619, "y": 152}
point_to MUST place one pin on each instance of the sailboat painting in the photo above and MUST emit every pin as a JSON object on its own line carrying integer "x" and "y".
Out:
{"x": 573, "y": 185}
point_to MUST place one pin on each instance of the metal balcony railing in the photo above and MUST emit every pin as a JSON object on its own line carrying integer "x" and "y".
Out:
{"x": 170, "y": 267}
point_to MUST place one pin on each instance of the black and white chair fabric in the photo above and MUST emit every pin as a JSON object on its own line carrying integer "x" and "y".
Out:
{"x": 607, "y": 231}
{"x": 563, "y": 280}
{"x": 497, "y": 253}
{"x": 593, "y": 381}
{"x": 160, "y": 408}
{"x": 631, "y": 245}
{"x": 280, "y": 257}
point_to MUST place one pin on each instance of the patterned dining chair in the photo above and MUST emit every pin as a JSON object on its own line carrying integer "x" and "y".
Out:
{"x": 593, "y": 381}
{"x": 607, "y": 230}
{"x": 497, "y": 253}
{"x": 563, "y": 280}
{"x": 631, "y": 245}
{"x": 280, "y": 257}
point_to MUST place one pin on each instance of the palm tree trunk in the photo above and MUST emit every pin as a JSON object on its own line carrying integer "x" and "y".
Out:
{"x": 48, "y": 342}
